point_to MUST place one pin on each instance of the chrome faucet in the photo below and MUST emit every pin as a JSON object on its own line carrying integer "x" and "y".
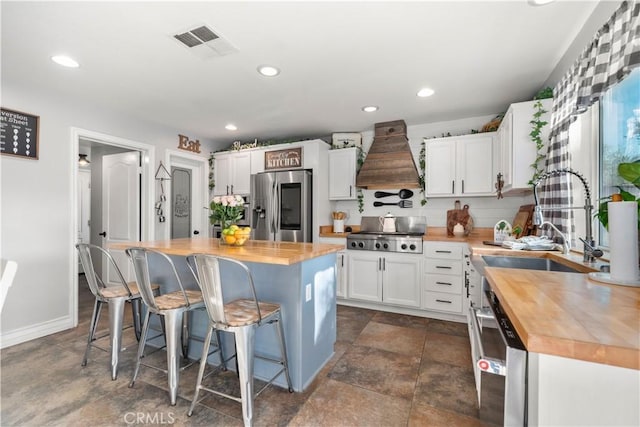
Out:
{"x": 590, "y": 251}
{"x": 565, "y": 241}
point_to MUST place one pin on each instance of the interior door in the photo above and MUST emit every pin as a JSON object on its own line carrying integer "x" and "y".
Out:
{"x": 84, "y": 209}
{"x": 189, "y": 208}
{"x": 181, "y": 196}
{"x": 120, "y": 207}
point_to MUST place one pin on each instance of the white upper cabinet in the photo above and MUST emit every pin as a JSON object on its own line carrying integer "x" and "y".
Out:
{"x": 342, "y": 173}
{"x": 233, "y": 173}
{"x": 460, "y": 166}
{"x": 516, "y": 148}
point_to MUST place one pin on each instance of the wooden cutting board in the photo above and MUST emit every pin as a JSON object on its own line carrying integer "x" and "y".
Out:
{"x": 524, "y": 219}
{"x": 459, "y": 216}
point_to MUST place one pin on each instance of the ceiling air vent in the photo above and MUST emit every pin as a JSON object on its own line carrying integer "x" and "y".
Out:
{"x": 204, "y": 42}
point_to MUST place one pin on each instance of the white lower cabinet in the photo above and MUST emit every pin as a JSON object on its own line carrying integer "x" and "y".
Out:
{"x": 386, "y": 278}
{"x": 443, "y": 282}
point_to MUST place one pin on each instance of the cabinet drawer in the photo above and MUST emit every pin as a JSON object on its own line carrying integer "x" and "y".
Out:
{"x": 442, "y": 251}
{"x": 443, "y": 266}
{"x": 443, "y": 283}
{"x": 442, "y": 302}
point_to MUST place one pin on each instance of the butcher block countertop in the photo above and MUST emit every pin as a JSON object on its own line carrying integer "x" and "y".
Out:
{"x": 568, "y": 315}
{"x": 282, "y": 253}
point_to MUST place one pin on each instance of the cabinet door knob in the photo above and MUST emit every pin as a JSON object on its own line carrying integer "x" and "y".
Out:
{"x": 196, "y": 231}
{"x": 103, "y": 234}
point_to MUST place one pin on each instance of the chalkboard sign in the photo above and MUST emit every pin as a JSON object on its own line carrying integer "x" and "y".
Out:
{"x": 19, "y": 134}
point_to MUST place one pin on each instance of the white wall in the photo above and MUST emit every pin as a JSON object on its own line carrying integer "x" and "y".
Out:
{"x": 37, "y": 209}
{"x": 486, "y": 211}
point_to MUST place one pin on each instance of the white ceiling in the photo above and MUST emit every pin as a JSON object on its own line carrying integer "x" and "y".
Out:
{"x": 335, "y": 58}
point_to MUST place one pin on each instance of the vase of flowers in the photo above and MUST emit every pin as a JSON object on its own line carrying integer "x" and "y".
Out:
{"x": 227, "y": 211}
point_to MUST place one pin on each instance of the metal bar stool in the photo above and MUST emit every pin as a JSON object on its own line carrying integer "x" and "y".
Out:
{"x": 241, "y": 317}
{"x": 171, "y": 307}
{"x": 116, "y": 295}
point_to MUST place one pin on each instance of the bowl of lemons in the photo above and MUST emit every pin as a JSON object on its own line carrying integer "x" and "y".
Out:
{"x": 235, "y": 235}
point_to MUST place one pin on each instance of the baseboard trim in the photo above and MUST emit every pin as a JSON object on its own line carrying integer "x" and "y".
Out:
{"x": 28, "y": 333}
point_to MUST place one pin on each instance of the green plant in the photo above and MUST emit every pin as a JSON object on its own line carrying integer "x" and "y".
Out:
{"x": 212, "y": 181}
{"x": 545, "y": 93}
{"x": 422, "y": 177}
{"x": 360, "y": 200}
{"x": 536, "y": 136}
{"x": 361, "y": 156}
{"x": 629, "y": 172}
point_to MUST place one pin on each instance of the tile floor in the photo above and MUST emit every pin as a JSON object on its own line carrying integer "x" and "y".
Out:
{"x": 388, "y": 370}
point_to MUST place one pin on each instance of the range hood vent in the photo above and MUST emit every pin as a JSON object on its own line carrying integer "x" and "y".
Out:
{"x": 389, "y": 163}
{"x": 204, "y": 42}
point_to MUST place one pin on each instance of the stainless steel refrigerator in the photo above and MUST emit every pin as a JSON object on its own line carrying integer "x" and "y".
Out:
{"x": 281, "y": 206}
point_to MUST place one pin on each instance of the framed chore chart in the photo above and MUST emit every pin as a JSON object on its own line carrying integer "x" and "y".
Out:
{"x": 19, "y": 133}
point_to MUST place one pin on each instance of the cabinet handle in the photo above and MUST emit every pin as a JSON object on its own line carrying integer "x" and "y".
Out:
{"x": 443, "y": 252}
{"x": 443, "y": 301}
{"x": 350, "y": 189}
{"x": 443, "y": 266}
{"x": 463, "y": 186}
{"x": 232, "y": 189}
{"x": 443, "y": 283}
{"x": 342, "y": 260}
{"x": 384, "y": 264}
{"x": 466, "y": 282}
{"x": 227, "y": 189}
{"x": 379, "y": 263}
{"x": 453, "y": 187}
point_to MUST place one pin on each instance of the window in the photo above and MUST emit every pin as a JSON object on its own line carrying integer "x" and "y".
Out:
{"x": 619, "y": 137}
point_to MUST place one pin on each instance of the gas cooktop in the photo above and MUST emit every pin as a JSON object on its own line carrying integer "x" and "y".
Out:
{"x": 407, "y": 238}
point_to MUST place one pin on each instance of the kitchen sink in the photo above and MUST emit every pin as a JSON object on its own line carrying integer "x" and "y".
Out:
{"x": 527, "y": 263}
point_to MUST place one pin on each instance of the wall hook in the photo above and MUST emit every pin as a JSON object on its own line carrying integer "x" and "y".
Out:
{"x": 162, "y": 173}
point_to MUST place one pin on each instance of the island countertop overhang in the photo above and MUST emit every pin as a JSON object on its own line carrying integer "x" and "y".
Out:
{"x": 281, "y": 253}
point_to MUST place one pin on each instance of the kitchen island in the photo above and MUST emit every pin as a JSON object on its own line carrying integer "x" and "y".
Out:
{"x": 301, "y": 277}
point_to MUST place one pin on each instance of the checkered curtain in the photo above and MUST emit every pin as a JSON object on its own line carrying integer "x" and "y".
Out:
{"x": 613, "y": 53}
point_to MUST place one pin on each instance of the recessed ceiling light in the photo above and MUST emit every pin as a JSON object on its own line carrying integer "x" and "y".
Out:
{"x": 539, "y": 2}
{"x": 424, "y": 92}
{"x": 231, "y": 126}
{"x": 370, "y": 108}
{"x": 65, "y": 61}
{"x": 268, "y": 70}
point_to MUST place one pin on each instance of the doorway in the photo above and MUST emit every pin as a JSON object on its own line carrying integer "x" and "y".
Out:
{"x": 189, "y": 211}
{"x": 97, "y": 146}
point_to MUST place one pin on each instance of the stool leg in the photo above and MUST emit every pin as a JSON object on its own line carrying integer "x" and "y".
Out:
{"x": 116, "y": 314}
{"x": 203, "y": 364}
{"x": 184, "y": 337}
{"x": 97, "y": 307}
{"x": 141, "y": 344}
{"x": 136, "y": 307}
{"x": 173, "y": 324}
{"x": 283, "y": 350}
{"x": 244, "y": 347}
{"x": 220, "y": 352}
